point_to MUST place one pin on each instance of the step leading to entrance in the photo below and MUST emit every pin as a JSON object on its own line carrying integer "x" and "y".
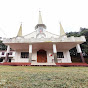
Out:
{"x": 43, "y": 64}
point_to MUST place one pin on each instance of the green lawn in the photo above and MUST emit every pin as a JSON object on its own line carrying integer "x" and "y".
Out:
{"x": 43, "y": 77}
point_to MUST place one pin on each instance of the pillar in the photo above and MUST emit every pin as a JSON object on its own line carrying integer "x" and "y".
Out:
{"x": 55, "y": 53}
{"x": 7, "y": 53}
{"x": 30, "y": 53}
{"x": 79, "y": 51}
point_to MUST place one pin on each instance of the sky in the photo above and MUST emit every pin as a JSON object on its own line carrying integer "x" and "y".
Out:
{"x": 72, "y": 14}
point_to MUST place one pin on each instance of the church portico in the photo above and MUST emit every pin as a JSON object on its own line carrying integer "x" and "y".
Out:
{"x": 29, "y": 53}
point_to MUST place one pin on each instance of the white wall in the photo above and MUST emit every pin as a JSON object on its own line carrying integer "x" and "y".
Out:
{"x": 67, "y": 58}
{"x": 18, "y": 58}
{"x": 50, "y": 59}
{"x": 34, "y": 56}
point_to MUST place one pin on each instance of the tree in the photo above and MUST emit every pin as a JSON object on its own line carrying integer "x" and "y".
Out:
{"x": 84, "y": 46}
{"x": 2, "y": 46}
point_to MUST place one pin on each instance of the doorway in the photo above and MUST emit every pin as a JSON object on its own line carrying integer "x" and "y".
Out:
{"x": 41, "y": 56}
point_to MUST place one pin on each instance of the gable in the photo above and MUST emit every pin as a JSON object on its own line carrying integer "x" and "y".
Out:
{"x": 47, "y": 34}
{"x": 31, "y": 35}
{"x": 51, "y": 35}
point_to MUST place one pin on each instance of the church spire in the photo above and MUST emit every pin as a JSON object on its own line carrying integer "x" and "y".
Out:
{"x": 40, "y": 22}
{"x": 20, "y": 31}
{"x": 61, "y": 30}
{"x": 40, "y": 18}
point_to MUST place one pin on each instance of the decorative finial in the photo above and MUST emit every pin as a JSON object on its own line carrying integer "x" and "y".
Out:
{"x": 40, "y": 18}
{"x": 20, "y": 31}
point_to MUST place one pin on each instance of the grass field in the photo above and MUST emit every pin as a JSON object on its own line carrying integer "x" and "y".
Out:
{"x": 43, "y": 77}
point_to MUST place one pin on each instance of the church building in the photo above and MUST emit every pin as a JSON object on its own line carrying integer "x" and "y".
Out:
{"x": 41, "y": 46}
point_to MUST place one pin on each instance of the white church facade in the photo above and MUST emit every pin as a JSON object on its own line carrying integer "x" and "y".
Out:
{"x": 41, "y": 46}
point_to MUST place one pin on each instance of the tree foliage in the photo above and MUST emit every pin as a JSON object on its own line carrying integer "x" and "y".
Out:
{"x": 2, "y": 46}
{"x": 84, "y": 46}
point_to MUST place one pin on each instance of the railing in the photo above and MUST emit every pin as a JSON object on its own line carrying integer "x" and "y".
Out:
{"x": 3, "y": 54}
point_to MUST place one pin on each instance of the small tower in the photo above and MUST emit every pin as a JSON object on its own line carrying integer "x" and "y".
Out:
{"x": 62, "y": 33}
{"x": 20, "y": 31}
{"x": 40, "y": 27}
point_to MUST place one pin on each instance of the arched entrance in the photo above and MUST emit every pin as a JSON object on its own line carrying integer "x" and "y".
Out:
{"x": 41, "y": 56}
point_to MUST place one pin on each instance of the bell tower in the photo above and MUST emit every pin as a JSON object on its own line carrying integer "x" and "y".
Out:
{"x": 40, "y": 28}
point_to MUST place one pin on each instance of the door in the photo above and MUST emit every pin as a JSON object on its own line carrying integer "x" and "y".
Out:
{"x": 41, "y": 56}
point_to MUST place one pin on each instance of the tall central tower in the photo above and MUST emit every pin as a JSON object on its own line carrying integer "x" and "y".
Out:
{"x": 40, "y": 28}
